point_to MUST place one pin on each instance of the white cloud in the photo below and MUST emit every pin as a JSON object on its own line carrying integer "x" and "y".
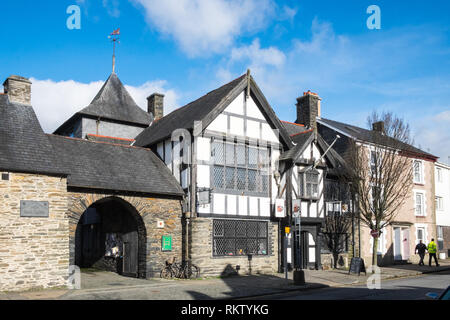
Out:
{"x": 433, "y": 135}
{"x": 56, "y": 101}
{"x": 398, "y": 70}
{"x": 112, "y": 7}
{"x": 259, "y": 57}
{"x": 202, "y": 27}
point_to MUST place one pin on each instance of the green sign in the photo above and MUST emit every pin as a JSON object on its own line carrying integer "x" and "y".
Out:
{"x": 166, "y": 243}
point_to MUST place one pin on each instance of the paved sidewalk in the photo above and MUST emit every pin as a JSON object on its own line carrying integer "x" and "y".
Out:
{"x": 107, "y": 285}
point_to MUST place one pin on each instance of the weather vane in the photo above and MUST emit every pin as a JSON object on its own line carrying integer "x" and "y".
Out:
{"x": 114, "y": 36}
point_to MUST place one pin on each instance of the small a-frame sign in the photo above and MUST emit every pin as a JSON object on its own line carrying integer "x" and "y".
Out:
{"x": 357, "y": 266}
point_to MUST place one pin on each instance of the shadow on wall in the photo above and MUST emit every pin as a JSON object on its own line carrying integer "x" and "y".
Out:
{"x": 387, "y": 259}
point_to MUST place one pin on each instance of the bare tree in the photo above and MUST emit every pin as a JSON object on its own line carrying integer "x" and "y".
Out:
{"x": 382, "y": 171}
{"x": 337, "y": 225}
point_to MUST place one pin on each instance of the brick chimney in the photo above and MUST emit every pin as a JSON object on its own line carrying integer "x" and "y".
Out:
{"x": 18, "y": 89}
{"x": 378, "y": 126}
{"x": 156, "y": 105}
{"x": 308, "y": 108}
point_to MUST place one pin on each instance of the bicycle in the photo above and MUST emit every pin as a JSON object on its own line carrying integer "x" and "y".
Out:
{"x": 184, "y": 271}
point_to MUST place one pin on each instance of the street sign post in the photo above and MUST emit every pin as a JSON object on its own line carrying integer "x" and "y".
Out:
{"x": 375, "y": 233}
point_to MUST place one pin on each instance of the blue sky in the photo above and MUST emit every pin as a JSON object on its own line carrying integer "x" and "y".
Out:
{"x": 187, "y": 48}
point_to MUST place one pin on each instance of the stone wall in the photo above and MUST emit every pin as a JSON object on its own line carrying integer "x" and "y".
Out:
{"x": 201, "y": 252}
{"x": 327, "y": 261}
{"x": 34, "y": 252}
{"x": 148, "y": 211}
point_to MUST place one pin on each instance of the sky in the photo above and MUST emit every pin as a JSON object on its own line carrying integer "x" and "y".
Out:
{"x": 186, "y": 48}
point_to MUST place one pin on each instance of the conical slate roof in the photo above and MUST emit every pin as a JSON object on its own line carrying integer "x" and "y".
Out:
{"x": 114, "y": 102}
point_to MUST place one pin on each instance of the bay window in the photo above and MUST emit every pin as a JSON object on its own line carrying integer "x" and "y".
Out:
{"x": 240, "y": 167}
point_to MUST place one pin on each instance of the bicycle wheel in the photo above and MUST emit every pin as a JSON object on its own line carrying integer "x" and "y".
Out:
{"x": 195, "y": 271}
{"x": 192, "y": 273}
{"x": 166, "y": 273}
{"x": 177, "y": 270}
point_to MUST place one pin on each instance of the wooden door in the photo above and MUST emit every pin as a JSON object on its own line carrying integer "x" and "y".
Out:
{"x": 305, "y": 251}
{"x": 405, "y": 235}
{"x": 130, "y": 254}
{"x": 397, "y": 244}
{"x": 91, "y": 248}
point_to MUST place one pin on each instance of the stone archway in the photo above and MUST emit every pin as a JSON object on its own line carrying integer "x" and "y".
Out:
{"x": 133, "y": 207}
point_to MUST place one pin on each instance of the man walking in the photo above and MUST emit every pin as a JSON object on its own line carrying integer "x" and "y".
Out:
{"x": 432, "y": 252}
{"x": 420, "y": 248}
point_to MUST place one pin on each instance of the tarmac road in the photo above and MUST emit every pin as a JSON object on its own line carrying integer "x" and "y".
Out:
{"x": 412, "y": 288}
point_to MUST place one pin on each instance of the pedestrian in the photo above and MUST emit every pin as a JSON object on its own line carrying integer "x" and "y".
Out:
{"x": 432, "y": 252}
{"x": 420, "y": 249}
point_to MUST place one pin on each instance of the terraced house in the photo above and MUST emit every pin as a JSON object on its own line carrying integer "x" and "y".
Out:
{"x": 415, "y": 220}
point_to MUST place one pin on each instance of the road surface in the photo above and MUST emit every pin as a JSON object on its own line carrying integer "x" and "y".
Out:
{"x": 412, "y": 288}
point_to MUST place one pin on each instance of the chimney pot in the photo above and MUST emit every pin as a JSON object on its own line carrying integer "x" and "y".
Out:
{"x": 155, "y": 104}
{"x": 18, "y": 89}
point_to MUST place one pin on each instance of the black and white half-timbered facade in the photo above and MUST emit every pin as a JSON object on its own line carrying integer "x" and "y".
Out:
{"x": 241, "y": 168}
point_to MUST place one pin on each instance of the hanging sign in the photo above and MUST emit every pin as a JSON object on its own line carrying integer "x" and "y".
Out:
{"x": 279, "y": 208}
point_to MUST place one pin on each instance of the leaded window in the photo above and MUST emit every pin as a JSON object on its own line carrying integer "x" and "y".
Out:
{"x": 240, "y": 237}
{"x": 240, "y": 167}
{"x": 309, "y": 184}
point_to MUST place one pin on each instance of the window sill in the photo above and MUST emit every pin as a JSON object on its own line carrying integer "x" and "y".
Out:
{"x": 419, "y": 183}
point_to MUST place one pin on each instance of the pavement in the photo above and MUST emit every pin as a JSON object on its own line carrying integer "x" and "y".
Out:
{"x": 101, "y": 285}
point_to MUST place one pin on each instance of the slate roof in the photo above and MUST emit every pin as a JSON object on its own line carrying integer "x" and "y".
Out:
{"x": 372, "y": 137}
{"x": 108, "y": 166}
{"x": 113, "y": 102}
{"x": 293, "y": 128}
{"x": 206, "y": 109}
{"x": 24, "y": 147}
{"x": 300, "y": 139}
{"x": 184, "y": 117}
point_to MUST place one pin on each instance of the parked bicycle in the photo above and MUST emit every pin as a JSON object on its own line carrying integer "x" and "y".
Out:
{"x": 186, "y": 270}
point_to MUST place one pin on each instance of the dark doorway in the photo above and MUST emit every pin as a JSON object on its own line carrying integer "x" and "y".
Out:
{"x": 111, "y": 236}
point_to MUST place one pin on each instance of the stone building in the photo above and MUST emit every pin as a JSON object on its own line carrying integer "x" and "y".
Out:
{"x": 64, "y": 198}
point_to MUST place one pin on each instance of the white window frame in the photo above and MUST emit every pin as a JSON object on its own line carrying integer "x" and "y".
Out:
{"x": 422, "y": 174}
{"x": 423, "y": 227}
{"x": 424, "y": 203}
{"x": 439, "y": 203}
{"x": 439, "y": 174}
{"x": 440, "y": 233}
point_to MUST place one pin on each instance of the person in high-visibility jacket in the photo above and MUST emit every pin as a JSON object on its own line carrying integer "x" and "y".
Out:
{"x": 432, "y": 252}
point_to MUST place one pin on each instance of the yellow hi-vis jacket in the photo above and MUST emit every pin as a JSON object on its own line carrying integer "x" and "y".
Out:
{"x": 431, "y": 247}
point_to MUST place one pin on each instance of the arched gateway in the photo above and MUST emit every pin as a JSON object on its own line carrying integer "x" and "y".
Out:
{"x": 109, "y": 234}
